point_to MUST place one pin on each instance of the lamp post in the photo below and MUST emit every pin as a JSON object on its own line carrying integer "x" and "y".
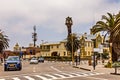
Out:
{"x": 69, "y": 23}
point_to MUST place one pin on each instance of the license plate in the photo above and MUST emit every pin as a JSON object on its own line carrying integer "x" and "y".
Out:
{"x": 11, "y": 65}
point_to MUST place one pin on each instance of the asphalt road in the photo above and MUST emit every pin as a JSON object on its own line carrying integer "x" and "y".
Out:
{"x": 52, "y": 71}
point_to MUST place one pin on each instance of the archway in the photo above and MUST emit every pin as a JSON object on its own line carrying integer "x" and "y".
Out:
{"x": 54, "y": 54}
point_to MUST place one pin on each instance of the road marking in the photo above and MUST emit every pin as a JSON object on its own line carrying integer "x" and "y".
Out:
{"x": 16, "y": 78}
{"x": 43, "y": 78}
{"x": 28, "y": 77}
{"x": 53, "y": 77}
{"x": 34, "y": 69}
{"x": 76, "y": 74}
{"x": 55, "y": 69}
{"x": 68, "y": 74}
{"x": 60, "y": 75}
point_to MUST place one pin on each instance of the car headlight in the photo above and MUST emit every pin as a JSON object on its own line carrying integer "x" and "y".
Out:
{"x": 18, "y": 62}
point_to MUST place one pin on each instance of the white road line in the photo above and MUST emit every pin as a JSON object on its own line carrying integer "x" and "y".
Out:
{"x": 60, "y": 75}
{"x": 53, "y": 77}
{"x": 29, "y": 78}
{"x": 67, "y": 74}
{"x": 34, "y": 69}
{"x": 15, "y": 78}
{"x": 55, "y": 69}
{"x": 83, "y": 74}
{"x": 76, "y": 74}
{"x": 43, "y": 78}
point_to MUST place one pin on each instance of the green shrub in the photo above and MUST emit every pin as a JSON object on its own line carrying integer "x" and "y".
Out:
{"x": 108, "y": 65}
{"x": 116, "y": 64}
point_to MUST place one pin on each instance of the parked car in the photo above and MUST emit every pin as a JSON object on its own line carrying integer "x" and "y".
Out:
{"x": 41, "y": 59}
{"x": 34, "y": 61}
{"x": 12, "y": 62}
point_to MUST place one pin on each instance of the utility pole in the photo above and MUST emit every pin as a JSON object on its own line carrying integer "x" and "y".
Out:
{"x": 34, "y": 36}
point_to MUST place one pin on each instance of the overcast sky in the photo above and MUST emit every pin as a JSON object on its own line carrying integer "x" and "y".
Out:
{"x": 17, "y": 18}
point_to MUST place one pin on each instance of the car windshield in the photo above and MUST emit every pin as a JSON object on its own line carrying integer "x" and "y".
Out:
{"x": 34, "y": 59}
{"x": 12, "y": 58}
{"x": 41, "y": 58}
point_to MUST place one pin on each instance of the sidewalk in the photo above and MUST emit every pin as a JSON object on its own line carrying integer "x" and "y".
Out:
{"x": 99, "y": 68}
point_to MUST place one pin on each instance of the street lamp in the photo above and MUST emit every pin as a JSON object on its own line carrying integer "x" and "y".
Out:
{"x": 69, "y": 23}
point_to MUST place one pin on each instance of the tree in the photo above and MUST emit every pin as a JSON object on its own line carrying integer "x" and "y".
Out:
{"x": 3, "y": 41}
{"x": 111, "y": 26}
{"x": 72, "y": 44}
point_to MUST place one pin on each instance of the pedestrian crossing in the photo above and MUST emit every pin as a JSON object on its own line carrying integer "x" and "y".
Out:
{"x": 51, "y": 76}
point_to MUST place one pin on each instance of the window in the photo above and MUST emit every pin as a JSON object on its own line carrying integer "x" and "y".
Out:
{"x": 57, "y": 46}
{"x": 51, "y": 46}
{"x": 88, "y": 44}
{"x": 64, "y": 53}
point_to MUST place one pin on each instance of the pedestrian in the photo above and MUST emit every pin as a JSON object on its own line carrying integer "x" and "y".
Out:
{"x": 4, "y": 56}
{"x": 21, "y": 54}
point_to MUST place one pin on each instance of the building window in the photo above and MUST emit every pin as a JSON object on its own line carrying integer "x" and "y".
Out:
{"x": 44, "y": 47}
{"x": 57, "y": 46}
{"x": 88, "y": 53}
{"x": 88, "y": 44}
{"x": 64, "y": 53}
{"x": 51, "y": 46}
{"x": 91, "y": 44}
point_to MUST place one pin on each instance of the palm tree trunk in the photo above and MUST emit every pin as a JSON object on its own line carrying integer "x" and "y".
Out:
{"x": 114, "y": 55}
{"x": 73, "y": 58}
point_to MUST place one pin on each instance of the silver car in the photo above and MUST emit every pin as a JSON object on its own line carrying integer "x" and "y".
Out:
{"x": 34, "y": 61}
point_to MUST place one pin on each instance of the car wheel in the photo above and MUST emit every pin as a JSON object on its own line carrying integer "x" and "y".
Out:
{"x": 20, "y": 68}
{"x": 5, "y": 69}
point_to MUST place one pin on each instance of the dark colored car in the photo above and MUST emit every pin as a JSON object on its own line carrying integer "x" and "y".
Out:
{"x": 12, "y": 62}
{"x": 41, "y": 59}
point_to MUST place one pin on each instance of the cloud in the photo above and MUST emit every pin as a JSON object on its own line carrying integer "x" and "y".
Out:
{"x": 17, "y": 17}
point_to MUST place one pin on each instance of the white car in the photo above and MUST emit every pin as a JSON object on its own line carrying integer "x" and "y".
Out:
{"x": 34, "y": 61}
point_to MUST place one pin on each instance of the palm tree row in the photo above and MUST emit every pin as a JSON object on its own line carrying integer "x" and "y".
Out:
{"x": 111, "y": 26}
{"x": 3, "y": 42}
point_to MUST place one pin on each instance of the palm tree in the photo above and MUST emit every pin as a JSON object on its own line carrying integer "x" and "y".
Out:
{"x": 111, "y": 25}
{"x": 3, "y": 42}
{"x": 72, "y": 44}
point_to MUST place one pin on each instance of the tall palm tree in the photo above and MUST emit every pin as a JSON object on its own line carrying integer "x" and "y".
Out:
{"x": 111, "y": 25}
{"x": 72, "y": 44}
{"x": 3, "y": 41}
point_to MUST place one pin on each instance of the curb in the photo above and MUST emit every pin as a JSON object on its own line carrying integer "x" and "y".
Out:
{"x": 82, "y": 68}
